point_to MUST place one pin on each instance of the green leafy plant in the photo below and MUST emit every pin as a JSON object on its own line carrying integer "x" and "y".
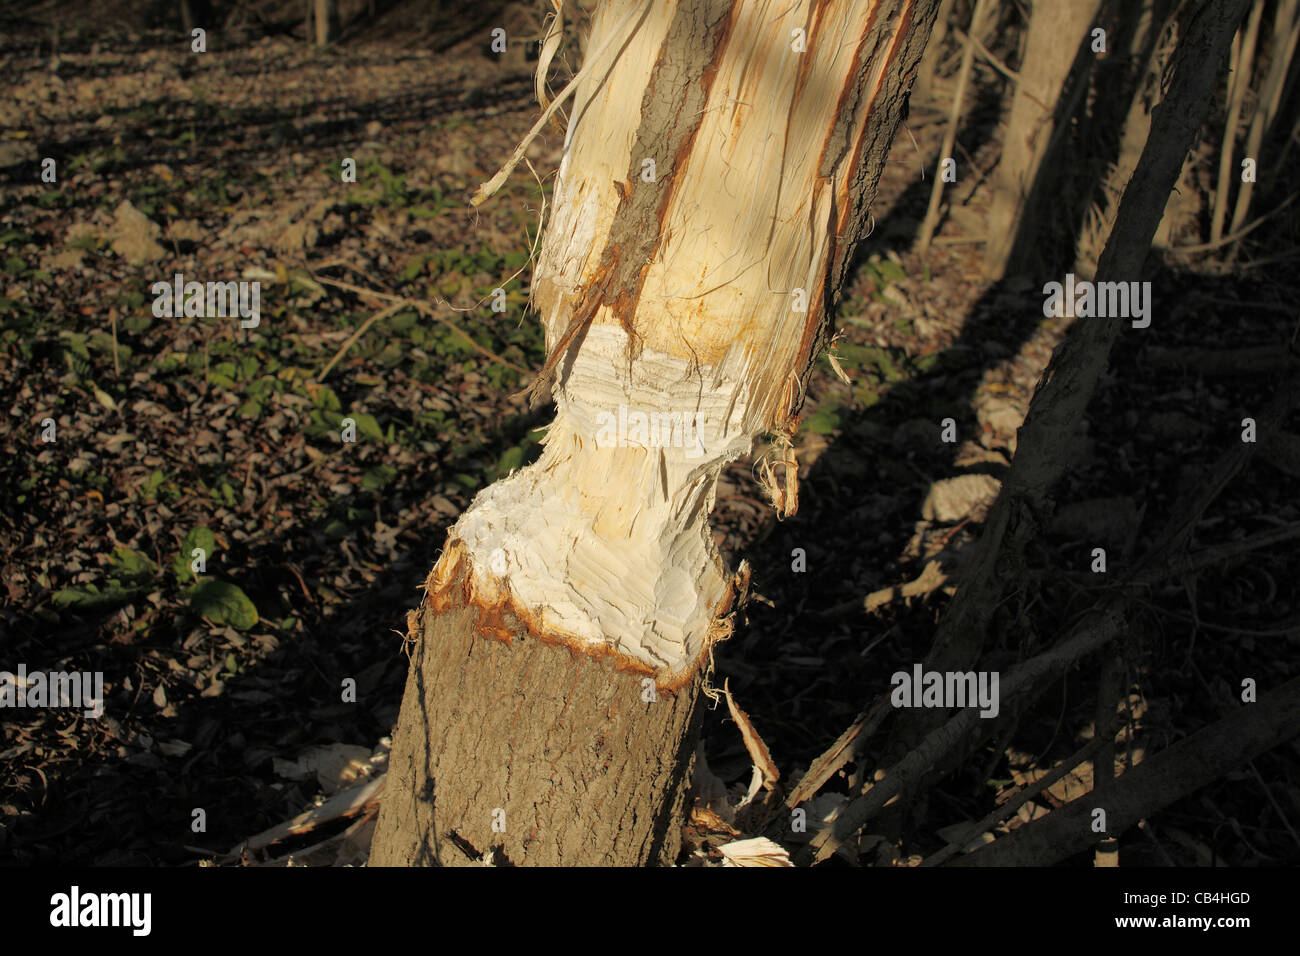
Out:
{"x": 223, "y": 603}
{"x": 199, "y": 537}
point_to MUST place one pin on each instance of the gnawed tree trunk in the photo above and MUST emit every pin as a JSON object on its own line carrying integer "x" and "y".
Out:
{"x": 718, "y": 170}
{"x": 1056, "y": 33}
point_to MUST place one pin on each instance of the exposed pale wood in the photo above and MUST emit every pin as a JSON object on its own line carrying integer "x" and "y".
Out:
{"x": 699, "y": 297}
{"x": 345, "y": 803}
{"x": 696, "y": 297}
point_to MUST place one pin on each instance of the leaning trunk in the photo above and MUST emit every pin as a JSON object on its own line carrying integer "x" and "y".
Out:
{"x": 719, "y": 165}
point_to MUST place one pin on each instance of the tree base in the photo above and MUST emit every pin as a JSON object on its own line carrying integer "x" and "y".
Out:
{"x": 535, "y": 751}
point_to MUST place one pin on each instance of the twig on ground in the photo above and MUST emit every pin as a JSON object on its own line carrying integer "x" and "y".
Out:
{"x": 426, "y": 309}
{"x": 1022, "y": 796}
{"x": 1153, "y": 784}
{"x": 345, "y": 803}
{"x": 361, "y": 330}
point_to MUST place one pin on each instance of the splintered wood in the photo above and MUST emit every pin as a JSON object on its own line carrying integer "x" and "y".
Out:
{"x": 719, "y": 165}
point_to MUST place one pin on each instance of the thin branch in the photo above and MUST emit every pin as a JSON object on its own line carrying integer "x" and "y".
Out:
{"x": 926, "y": 231}
{"x": 997, "y": 64}
{"x": 1098, "y": 629}
{"x": 1239, "y": 234}
{"x": 1022, "y": 796}
{"x": 486, "y": 190}
{"x": 1153, "y": 784}
{"x": 426, "y": 309}
{"x": 361, "y": 330}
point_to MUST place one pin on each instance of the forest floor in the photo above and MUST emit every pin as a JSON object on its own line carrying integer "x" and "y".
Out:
{"x": 175, "y": 433}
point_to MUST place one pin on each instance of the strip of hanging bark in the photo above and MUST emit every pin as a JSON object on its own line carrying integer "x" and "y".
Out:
{"x": 758, "y": 752}
{"x": 1077, "y": 364}
{"x": 1152, "y": 785}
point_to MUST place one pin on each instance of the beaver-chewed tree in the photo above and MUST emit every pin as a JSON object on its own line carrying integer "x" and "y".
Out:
{"x": 719, "y": 165}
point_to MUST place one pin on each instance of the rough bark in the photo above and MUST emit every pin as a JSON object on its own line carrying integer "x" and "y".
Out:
{"x": 483, "y": 691}
{"x": 700, "y": 294}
